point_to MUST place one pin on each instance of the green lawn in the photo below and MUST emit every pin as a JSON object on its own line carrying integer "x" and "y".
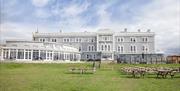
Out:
{"x": 56, "y": 77}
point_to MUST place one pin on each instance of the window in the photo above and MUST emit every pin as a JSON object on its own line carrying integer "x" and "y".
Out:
{"x": 120, "y": 48}
{"x": 67, "y": 40}
{"x": 144, "y": 48}
{"x": 42, "y": 40}
{"x": 53, "y": 40}
{"x": 133, "y": 39}
{"x": 89, "y": 48}
{"x": 109, "y": 48}
{"x": 92, "y": 48}
{"x": 64, "y": 40}
{"x": 79, "y": 48}
{"x": 133, "y": 48}
{"x": 79, "y": 39}
{"x": 105, "y": 38}
{"x": 120, "y": 39}
{"x": 102, "y": 47}
{"x": 71, "y": 39}
{"x": 105, "y": 48}
{"x": 87, "y": 56}
{"x": 145, "y": 39}
{"x": 92, "y": 40}
{"x": 20, "y": 54}
{"x": 76, "y": 39}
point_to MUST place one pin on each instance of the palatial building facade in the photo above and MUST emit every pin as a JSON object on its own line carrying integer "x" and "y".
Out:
{"x": 128, "y": 47}
{"x": 107, "y": 45}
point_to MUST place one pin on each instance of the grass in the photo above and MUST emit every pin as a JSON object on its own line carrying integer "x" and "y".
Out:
{"x": 56, "y": 77}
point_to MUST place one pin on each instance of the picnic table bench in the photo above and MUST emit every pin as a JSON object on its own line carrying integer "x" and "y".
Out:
{"x": 82, "y": 70}
{"x": 163, "y": 73}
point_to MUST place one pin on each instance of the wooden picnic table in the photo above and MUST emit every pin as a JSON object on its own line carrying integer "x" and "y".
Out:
{"x": 163, "y": 73}
{"x": 83, "y": 70}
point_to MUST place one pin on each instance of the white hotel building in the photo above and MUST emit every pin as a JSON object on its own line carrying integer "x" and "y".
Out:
{"x": 130, "y": 47}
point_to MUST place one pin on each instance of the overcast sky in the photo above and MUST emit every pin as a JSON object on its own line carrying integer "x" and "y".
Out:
{"x": 19, "y": 18}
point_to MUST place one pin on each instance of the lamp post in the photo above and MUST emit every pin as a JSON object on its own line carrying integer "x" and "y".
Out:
{"x": 151, "y": 57}
{"x": 143, "y": 56}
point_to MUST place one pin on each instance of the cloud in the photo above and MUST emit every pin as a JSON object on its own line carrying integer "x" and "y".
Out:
{"x": 41, "y": 13}
{"x": 14, "y": 30}
{"x": 40, "y": 3}
{"x": 74, "y": 9}
{"x": 161, "y": 16}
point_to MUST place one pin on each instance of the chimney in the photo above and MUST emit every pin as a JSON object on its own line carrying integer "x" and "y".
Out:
{"x": 60, "y": 31}
{"x": 37, "y": 30}
{"x": 139, "y": 30}
{"x": 125, "y": 29}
